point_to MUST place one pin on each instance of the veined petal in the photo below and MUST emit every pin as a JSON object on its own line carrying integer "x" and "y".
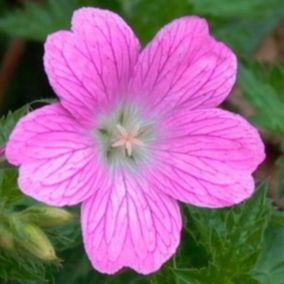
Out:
{"x": 207, "y": 157}
{"x": 128, "y": 225}
{"x": 90, "y": 66}
{"x": 184, "y": 66}
{"x": 57, "y": 157}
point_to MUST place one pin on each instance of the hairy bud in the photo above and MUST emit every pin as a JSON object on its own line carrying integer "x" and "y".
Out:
{"x": 45, "y": 216}
{"x": 34, "y": 240}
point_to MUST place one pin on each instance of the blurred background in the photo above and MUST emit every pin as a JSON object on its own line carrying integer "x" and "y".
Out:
{"x": 254, "y": 29}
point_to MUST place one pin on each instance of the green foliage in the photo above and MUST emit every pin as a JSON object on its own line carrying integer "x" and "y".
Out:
{"x": 243, "y": 35}
{"x": 147, "y": 12}
{"x": 8, "y": 122}
{"x": 239, "y": 9}
{"x": 27, "y": 252}
{"x": 9, "y": 190}
{"x": 265, "y": 94}
{"x": 231, "y": 237}
{"x": 35, "y": 21}
{"x": 270, "y": 269}
{"x": 242, "y": 24}
{"x": 211, "y": 276}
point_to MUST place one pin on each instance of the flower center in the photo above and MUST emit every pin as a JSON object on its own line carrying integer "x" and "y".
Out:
{"x": 125, "y": 136}
{"x": 127, "y": 139}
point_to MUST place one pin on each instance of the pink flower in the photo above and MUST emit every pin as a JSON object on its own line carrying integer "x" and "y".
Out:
{"x": 135, "y": 132}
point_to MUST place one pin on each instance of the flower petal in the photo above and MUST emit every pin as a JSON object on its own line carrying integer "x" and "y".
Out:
{"x": 184, "y": 66}
{"x": 92, "y": 64}
{"x": 130, "y": 226}
{"x": 206, "y": 158}
{"x": 57, "y": 157}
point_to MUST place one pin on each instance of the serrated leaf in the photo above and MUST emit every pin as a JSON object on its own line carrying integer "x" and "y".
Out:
{"x": 9, "y": 191}
{"x": 190, "y": 254}
{"x": 264, "y": 97}
{"x": 192, "y": 276}
{"x": 270, "y": 268}
{"x": 211, "y": 275}
{"x": 232, "y": 237}
{"x": 8, "y": 122}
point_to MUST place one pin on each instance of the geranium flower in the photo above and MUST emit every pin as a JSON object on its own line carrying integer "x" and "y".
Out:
{"x": 135, "y": 132}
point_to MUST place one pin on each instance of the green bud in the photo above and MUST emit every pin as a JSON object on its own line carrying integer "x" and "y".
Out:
{"x": 6, "y": 238}
{"x": 45, "y": 216}
{"x": 34, "y": 240}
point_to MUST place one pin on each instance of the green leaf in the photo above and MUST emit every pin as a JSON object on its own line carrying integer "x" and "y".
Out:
{"x": 165, "y": 276}
{"x": 270, "y": 269}
{"x": 242, "y": 24}
{"x": 147, "y": 16}
{"x": 8, "y": 122}
{"x": 243, "y": 35}
{"x": 246, "y": 279}
{"x": 232, "y": 237}
{"x": 265, "y": 97}
{"x": 210, "y": 275}
{"x": 240, "y": 8}
{"x": 22, "y": 268}
{"x": 113, "y": 5}
{"x": 193, "y": 276}
{"x": 9, "y": 190}
{"x": 277, "y": 218}
{"x": 190, "y": 254}
{"x": 36, "y": 21}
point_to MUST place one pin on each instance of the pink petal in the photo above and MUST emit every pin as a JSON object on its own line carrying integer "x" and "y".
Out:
{"x": 206, "y": 158}
{"x": 129, "y": 225}
{"x": 57, "y": 157}
{"x": 91, "y": 65}
{"x": 184, "y": 66}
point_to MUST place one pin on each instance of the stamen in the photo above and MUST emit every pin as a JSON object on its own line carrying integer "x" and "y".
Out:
{"x": 128, "y": 139}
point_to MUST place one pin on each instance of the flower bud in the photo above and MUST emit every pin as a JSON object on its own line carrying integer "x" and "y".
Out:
{"x": 34, "y": 240}
{"x": 45, "y": 216}
{"x": 6, "y": 238}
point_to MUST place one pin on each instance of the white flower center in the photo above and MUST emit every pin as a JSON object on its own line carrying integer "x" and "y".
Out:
{"x": 125, "y": 136}
{"x": 127, "y": 139}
